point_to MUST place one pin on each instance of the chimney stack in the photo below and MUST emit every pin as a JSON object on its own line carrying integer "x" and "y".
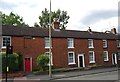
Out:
{"x": 113, "y": 30}
{"x": 55, "y": 24}
{"x": 89, "y": 30}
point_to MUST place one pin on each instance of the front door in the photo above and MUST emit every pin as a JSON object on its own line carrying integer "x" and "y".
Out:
{"x": 27, "y": 65}
{"x": 114, "y": 59}
{"x": 81, "y": 60}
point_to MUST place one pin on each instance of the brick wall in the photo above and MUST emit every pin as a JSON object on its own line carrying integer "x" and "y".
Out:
{"x": 33, "y": 47}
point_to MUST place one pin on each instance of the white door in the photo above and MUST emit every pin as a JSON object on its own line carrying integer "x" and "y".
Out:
{"x": 81, "y": 62}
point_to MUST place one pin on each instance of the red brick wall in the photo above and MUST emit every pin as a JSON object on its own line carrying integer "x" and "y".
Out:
{"x": 34, "y": 47}
{"x": 60, "y": 52}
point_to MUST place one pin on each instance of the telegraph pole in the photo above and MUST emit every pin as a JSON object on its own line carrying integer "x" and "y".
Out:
{"x": 50, "y": 42}
{"x": 6, "y": 58}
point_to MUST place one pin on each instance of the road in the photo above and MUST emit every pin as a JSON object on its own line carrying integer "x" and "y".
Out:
{"x": 101, "y": 76}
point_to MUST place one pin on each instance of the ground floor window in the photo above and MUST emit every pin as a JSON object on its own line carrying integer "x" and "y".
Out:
{"x": 91, "y": 57}
{"x": 47, "y": 53}
{"x": 71, "y": 58}
{"x": 118, "y": 55}
{"x": 105, "y": 53}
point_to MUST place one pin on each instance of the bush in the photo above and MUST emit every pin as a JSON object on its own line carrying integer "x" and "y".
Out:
{"x": 42, "y": 61}
{"x": 13, "y": 62}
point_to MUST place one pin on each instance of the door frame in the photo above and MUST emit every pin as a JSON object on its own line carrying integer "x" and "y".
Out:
{"x": 82, "y": 59}
{"x": 30, "y": 63}
{"x": 114, "y": 54}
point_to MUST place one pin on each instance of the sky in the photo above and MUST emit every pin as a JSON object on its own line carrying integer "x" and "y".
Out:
{"x": 99, "y": 15}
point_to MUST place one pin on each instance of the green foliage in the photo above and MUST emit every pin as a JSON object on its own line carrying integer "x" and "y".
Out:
{"x": 13, "y": 62}
{"x": 44, "y": 18}
{"x": 12, "y": 19}
{"x": 42, "y": 61}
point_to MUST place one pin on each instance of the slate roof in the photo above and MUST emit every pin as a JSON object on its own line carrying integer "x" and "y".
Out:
{"x": 43, "y": 32}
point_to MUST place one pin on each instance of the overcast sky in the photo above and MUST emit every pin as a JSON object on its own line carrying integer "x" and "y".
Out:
{"x": 100, "y": 15}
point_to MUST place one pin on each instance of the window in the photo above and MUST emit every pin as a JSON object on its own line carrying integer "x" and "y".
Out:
{"x": 47, "y": 43}
{"x": 119, "y": 55}
{"x": 71, "y": 58}
{"x": 90, "y": 43}
{"x": 47, "y": 53}
{"x": 70, "y": 43}
{"x": 105, "y": 53}
{"x": 104, "y": 43}
{"x": 6, "y": 40}
{"x": 118, "y": 43}
{"x": 91, "y": 57}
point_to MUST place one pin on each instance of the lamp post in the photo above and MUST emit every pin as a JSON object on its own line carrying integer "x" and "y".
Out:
{"x": 50, "y": 42}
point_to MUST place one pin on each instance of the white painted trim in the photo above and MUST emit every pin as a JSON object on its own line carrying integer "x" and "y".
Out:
{"x": 83, "y": 60}
{"x": 107, "y": 55}
{"x": 91, "y": 43}
{"x": 114, "y": 54}
{"x": 47, "y": 53}
{"x": 105, "y": 44}
{"x": 72, "y": 39}
{"x": 4, "y": 47}
{"x": 93, "y": 57}
{"x": 73, "y": 58}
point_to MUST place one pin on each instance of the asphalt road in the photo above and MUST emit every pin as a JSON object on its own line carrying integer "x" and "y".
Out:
{"x": 100, "y": 76}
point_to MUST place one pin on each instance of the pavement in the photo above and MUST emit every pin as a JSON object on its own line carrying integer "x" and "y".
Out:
{"x": 66, "y": 74}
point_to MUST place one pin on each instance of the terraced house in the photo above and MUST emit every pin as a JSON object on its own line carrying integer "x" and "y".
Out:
{"x": 70, "y": 48}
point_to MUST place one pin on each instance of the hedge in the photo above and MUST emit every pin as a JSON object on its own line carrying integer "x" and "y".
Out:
{"x": 13, "y": 62}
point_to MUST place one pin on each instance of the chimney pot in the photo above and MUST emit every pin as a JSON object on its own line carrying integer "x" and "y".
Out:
{"x": 89, "y": 30}
{"x": 55, "y": 24}
{"x": 113, "y": 30}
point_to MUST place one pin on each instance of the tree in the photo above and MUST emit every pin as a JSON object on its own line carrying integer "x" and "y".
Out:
{"x": 12, "y": 19}
{"x": 42, "y": 61}
{"x": 44, "y": 18}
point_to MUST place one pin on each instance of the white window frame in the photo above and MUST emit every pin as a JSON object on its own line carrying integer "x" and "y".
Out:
{"x": 93, "y": 57}
{"x": 90, "y": 42}
{"x": 6, "y": 37}
{"x": 69, "y": 63}
{"x": 104, "y": 42}
{"x": 118, "y": 55}
{"x": 118, "y": 43}
{"x": 106, "y": 56}
{"x": 46, "y": 39}
{"x": 47, "y": 53}
{"x": 70, "y": 42}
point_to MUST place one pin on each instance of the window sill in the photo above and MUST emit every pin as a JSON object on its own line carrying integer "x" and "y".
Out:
{"x": 71, "y": 63}
{"x": 106, "y": 60}
{"x": 104, "y": 46}
{"x": 118, "y": 46}
{"x": 92, "y": 62}
{"x": 70, "y": 47}
{"x": 90, "y": 47}
{"x": 3, "y": 47}
{"x": 47, "y": 47}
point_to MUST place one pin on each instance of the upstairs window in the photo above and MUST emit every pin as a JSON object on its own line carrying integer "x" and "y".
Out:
{"x": 105, "y": 53}
{"x": 90, "y": 43}
{"x": 104, "y": 43}
{"x": 70, "y": 43}
{"x": 6, "y": 40}
{"x": 118, "y": 43}
{"x": 47, "y": 42}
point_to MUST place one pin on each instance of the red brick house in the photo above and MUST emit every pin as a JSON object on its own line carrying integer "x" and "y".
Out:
{"x": 70, "y": 48}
